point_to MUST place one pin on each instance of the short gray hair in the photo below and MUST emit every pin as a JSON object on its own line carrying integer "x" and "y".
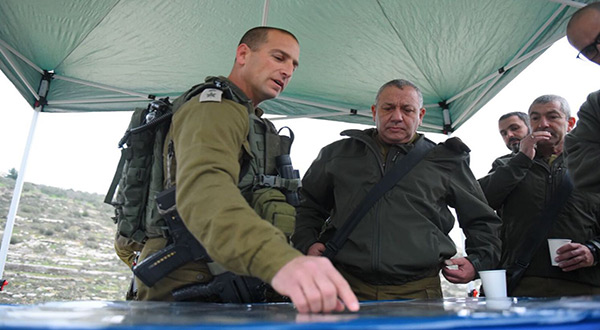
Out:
{"x": 400, "y": 83}
{"x": 564, "y": 105}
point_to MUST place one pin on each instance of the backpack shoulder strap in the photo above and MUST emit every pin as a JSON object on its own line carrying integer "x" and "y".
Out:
{"x": 422, "y": 147}
{"x": 115, "y": 181}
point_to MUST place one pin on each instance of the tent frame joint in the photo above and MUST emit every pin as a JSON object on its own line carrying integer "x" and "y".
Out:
{"x": 43, "y": 90}
{"x": 447, "y": 127}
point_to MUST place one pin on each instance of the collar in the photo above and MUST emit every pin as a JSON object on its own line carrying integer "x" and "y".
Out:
{"x": 405, "y": 147}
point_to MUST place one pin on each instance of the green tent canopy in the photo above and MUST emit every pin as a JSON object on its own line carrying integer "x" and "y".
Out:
{"x": 111, "y": 55}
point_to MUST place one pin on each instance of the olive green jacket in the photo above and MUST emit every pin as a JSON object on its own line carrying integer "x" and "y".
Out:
{"x": 582, "y": 146}
{"x": 519, "y": 187}
{"x": 404, "y": 236}
{"x": 209, "y": 140}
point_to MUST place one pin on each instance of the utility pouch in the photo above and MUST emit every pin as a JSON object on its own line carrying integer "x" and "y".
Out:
{"x": 270, "y": 204}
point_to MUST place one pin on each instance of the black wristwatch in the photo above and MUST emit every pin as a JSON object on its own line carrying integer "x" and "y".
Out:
{"x": 595, "y": 251}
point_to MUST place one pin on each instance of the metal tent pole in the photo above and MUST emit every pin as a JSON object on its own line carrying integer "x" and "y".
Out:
{"x": 575, "y": 4}
{"x": 14, "y": 204}
{"x": 41, "y": 97}
{"x": 265, "y": 15}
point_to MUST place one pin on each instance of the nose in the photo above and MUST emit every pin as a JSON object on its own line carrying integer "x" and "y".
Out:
{"x": 396, "y": 115}
{"x": 543, "y": 122}
{"x": 288, "y": 69}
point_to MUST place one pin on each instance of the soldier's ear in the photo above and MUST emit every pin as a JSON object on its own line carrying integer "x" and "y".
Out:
{"x": 374, "y": 111}
{"x": 241, "y": 54}
{"x": 421, "y": 115}
{"x": 570, "y": 123}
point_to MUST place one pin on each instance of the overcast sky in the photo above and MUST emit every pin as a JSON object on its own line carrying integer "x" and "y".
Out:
{"x": 79, "y": 151}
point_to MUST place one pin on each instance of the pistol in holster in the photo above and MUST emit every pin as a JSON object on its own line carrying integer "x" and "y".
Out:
{"x": 183, "y": 249}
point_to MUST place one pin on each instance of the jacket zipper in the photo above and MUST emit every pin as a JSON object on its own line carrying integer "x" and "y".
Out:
{"x": 376, "y": 261}
{"x": 554, "y": 172}
{"x": 382, "y": 166}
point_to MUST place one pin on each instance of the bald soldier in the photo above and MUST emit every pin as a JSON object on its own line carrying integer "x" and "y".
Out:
{"x": 583, "y": 31}
{"x": 207, "y": 142}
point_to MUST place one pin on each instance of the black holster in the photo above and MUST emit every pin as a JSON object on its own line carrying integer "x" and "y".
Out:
{"x": 225, "y": 288}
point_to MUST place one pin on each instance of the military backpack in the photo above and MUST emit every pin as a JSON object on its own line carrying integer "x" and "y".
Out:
{"x": 139, "y": 176}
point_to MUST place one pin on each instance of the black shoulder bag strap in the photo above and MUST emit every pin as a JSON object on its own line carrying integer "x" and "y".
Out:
{"x": 536, "y": 234}
{"x": 389, "y": 180}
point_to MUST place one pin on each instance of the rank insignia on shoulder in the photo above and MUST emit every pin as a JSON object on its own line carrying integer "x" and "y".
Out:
{"x": 211, "y": 95}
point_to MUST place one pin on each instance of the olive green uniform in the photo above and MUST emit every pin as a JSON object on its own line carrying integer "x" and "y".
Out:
{"x": 582, "y": 146}
{"x": 210, "y": 138}
{"x": 519, "y": 187}
{"x": 403, "y": 239}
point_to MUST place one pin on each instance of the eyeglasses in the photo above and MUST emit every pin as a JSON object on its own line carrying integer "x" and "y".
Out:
{"x": 590, "y": 51}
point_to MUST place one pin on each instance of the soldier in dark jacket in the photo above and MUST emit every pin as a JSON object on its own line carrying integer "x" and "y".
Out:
{"x": 522, "y": 185}
{"x": 513, "y": 127}
{"x": 582, "y": 145}
{"x": 399, "y": 247}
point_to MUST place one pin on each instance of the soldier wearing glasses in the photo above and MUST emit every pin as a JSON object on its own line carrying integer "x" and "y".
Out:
{"x": 582, "y": 144}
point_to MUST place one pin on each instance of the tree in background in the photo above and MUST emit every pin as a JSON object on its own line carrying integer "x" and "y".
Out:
{"x": 12, "y": 174}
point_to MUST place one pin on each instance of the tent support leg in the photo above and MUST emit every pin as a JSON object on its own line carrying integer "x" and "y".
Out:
{"x": 14, "y": 204}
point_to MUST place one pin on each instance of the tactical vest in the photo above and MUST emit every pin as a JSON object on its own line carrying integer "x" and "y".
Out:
{"x": 144, "y": 174}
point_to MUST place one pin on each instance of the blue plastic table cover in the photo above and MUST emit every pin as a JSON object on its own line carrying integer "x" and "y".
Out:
{"x": 450, "y": 313}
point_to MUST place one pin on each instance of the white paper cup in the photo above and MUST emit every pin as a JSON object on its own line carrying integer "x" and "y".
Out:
{"x": 494, "y": 283}
{"x": 553, "y": 245}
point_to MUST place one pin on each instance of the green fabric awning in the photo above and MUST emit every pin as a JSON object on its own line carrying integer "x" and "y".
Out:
{"x": 109, "y": 55}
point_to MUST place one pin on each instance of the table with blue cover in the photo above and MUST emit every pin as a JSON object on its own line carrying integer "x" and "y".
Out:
{"x": 451, "y": 313}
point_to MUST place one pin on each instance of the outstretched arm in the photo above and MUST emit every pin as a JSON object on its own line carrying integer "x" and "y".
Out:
{"x": 314, "y": 285}
{"x": 478, "y": 221}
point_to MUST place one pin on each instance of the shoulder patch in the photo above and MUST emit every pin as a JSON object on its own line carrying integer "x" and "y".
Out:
{"x": 211, "y": 95}
{"x": 455, "y": 144}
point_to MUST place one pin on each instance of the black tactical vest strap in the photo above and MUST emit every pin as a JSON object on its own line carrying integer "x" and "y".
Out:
{"x": 412, "y": 158}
